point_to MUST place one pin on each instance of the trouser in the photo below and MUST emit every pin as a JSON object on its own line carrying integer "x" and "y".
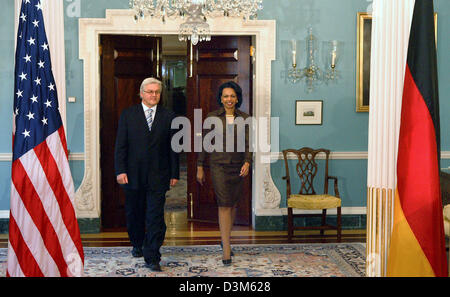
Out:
{"x": 145, "y": 221}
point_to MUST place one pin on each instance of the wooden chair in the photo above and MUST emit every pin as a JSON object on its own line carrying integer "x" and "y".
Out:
{"x": 307, "y": 199}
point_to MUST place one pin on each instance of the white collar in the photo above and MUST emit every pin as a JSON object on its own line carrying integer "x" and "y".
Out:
{"x": 146, "y": 107}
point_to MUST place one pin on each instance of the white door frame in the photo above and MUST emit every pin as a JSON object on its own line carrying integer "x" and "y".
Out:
{"x": 265, "y": 196}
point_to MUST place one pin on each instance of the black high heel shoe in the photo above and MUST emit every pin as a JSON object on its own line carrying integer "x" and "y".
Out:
{"x": 231, "y": 252}
{"x": 226, "y": 262}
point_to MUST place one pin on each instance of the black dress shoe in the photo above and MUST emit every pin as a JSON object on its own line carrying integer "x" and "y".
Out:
{"x": 136, "y": 252}
{"x": 154, "y": 267}
{"x": 226, "y": 262}
{"x": 231, "y": 252}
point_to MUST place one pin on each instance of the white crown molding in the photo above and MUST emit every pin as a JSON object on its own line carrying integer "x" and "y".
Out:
{"x": 121, "y": 21}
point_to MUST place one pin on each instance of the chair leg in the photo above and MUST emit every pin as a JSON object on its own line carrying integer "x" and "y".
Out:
{"x": 290, "y": 224}
{"x": 339, "y": 226}
{"x": 324, "y": 220}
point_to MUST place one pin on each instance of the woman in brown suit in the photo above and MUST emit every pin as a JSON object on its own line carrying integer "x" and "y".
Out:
{"x": 228, "y": 168}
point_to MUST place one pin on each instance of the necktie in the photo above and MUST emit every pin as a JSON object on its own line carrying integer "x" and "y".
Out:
{"x": 149, "y": 117}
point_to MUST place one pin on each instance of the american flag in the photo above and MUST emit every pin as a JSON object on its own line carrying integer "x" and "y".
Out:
{"x": 44, "y": 238}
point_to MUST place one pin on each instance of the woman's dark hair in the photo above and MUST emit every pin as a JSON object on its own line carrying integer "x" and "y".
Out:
{"x": 237, "y": 89}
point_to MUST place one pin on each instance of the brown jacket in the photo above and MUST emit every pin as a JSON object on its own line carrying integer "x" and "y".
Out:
{"x": 224, "y": 157}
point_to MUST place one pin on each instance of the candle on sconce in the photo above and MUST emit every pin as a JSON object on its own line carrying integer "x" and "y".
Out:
{"x": 334, "y": 44}
{"x": 294, "y": 53}
{"x": 333, "y": 59}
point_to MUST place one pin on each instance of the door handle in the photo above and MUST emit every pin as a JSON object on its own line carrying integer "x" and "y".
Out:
{"x": 157, "y": 57}
{"x": 192, "y": 206}
{"x": 191, "y": 64}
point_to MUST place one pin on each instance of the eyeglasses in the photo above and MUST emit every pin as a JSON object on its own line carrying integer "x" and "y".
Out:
{"x": 152, "y": 92}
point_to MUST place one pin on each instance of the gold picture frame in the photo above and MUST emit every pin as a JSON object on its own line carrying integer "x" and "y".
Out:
{"x": 363, "y": 39}
{"x": 364, "y": 34}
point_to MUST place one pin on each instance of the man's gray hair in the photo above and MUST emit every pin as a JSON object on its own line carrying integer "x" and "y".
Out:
{"x": 150, "y": 80}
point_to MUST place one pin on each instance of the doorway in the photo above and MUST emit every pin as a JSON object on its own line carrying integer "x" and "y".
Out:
{"x": 87, "y": 202}
{"x": 125, "y": 61}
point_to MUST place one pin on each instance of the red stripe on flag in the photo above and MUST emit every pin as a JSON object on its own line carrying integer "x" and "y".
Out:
{"x": 62, "y": 137}
{"x": 65, "y": 205}
{"x": 27, "y": 263}
{"x": 418, "y": 175}
{"x": 34, "y": 206}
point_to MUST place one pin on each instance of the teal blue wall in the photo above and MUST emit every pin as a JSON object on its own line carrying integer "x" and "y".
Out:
{"x": 442, "y": 7}
{"x": 343, "y": 129}
{"x": 6, "y": 97}
{"x": 6, "y": 76}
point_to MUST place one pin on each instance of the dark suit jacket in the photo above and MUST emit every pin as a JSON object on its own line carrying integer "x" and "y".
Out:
{"x": 224, "y": 157}
{"x": 146, "y": 157}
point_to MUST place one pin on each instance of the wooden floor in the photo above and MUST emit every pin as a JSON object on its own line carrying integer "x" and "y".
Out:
{"x": 181, "y": 232}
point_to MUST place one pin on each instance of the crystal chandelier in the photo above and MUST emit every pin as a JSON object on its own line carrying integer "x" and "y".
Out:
{"x": 195, "y": 28}
{"x": 312, "y": 74}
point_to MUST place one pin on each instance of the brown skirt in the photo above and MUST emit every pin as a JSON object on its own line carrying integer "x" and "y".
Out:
{"x": 227, "y": 183}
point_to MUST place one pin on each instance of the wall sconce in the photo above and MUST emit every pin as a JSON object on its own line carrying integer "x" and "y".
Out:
{"x": 332, "y": 54}
{"x": 312, "y": 74}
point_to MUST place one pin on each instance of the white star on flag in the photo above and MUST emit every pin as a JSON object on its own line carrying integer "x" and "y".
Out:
{"x": 30, "y": 115}
{"x": 26, "y": 133}
{"x": 23, "y": 76}
{"x": 27, "y": 58}
{"x": 44, "y": 237}
{"x": 34, "y": 98}
{"x": 31, "y": 40}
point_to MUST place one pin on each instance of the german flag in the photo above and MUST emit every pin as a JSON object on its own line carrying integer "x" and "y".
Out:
{"x": 418, "y": 242}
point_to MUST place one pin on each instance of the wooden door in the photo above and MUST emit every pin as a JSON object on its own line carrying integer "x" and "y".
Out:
{"x": 125, "y": 62}
{"x": 222, "y": 59}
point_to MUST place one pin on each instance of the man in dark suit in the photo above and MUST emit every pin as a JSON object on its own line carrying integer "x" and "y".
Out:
{"x": 146, "y": 167}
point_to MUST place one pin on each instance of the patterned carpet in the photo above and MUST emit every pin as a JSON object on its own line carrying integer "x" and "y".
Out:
{"x": 287, "y": 260}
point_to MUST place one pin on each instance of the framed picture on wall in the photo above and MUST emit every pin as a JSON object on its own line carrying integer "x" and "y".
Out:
{"x": 363, "y": 44}
{"x": 364, "y": 36}
{"x": 308, "y": 112}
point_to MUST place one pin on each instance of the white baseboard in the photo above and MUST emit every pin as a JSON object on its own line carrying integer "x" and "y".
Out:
{"x": 283, "y": 211}
{"x": 4, "y": 214}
